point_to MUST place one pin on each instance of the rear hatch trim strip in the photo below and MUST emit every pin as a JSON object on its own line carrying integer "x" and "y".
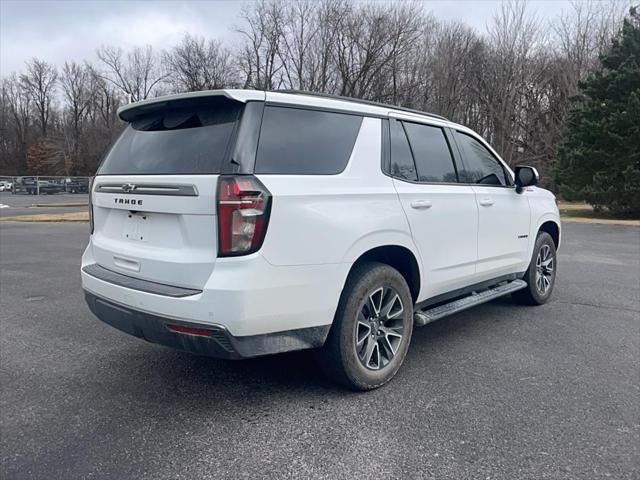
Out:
{"x": 126, "y": 281}
{"x": 148, "y": 189}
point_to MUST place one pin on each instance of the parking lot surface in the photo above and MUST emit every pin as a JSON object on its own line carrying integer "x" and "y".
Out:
{"x": 498, "y": 392}
{"x": 23, "y": 204}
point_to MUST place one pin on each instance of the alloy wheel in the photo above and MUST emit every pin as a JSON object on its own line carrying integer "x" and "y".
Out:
{"x": 544, "y": 269}
{"x": 379, "y": 328}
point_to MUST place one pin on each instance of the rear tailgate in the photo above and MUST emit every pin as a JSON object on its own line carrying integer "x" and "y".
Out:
{"x": 162, "y": 229}
{"x": 154, "y": 194}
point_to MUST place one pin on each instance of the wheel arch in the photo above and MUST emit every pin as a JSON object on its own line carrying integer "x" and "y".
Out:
{"x": 553, "y": 229}
{"x": 397, "y": 256}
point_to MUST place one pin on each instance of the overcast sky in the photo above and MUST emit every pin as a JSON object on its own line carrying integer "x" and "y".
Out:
{"x": 72, "y": 30}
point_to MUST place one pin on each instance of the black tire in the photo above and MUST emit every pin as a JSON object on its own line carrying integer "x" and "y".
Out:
{"x": 534, "y": 294}
{"x": 340, "y": 358}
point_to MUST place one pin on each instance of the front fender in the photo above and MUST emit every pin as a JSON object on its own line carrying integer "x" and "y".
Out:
{"x": 541, "y": 220}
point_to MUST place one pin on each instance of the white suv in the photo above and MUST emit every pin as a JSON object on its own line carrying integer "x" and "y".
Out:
{"x": 238, "y": 223}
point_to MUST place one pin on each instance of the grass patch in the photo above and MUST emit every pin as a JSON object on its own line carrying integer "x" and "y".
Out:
{"x": 46, "y": 217}
{"x": 59, "y": 205}
{"x": 584, "y": 213}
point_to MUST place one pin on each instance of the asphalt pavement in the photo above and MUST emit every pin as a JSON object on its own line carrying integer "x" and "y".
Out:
{"x": 12, "y": 205}
{"x": 498, "y": 392}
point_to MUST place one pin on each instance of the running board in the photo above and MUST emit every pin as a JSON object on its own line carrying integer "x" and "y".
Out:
{"x": 428, "y": 315}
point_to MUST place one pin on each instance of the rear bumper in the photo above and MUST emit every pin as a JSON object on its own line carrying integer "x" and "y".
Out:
{"x": 247, "y": 295}
{"x": 217, "y": 343}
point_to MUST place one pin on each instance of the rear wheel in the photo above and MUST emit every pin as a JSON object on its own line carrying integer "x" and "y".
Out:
{"x": 541, "y": 274}
{"x": 372, "y": 328}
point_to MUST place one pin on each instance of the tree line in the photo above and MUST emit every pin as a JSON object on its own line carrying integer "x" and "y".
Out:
{"x": 512, "y": 83}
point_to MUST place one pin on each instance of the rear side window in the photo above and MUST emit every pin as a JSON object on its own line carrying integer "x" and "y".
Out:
{"x": 402, "y": 165}
{"x": 305, "y": 142}
{"x": 174, "y": 141}
{"x": 481, "y": 167}
{"x": 431, "y": 153}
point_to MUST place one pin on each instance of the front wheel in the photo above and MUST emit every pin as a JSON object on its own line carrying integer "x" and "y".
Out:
{"x": 541, "y": 274}
{"x": 372, "y": 328}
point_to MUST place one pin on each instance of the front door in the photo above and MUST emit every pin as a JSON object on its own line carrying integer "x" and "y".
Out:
{"x": 504, "y": 215}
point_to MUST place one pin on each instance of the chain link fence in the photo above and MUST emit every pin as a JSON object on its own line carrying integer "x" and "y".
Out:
{"x": 37, "y": 185}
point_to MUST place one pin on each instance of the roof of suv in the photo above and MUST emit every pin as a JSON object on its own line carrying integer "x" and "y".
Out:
{"x": 291, "y": 97}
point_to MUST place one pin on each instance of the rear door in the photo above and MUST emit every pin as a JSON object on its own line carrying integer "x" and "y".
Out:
{"x": 504, "y": 215}
{"x": 442, "y": 213}
{"x": 154, "y": 196}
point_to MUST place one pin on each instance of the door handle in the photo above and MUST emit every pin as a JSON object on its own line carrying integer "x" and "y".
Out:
{"x": 486, "y": 202}
{"x": 421, "y": 204}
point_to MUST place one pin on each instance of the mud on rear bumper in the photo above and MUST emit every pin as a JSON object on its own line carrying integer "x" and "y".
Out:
{"x": 218, "y": 342}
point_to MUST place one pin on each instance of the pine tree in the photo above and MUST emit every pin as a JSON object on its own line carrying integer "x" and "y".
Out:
{"x": 599, "y": 161}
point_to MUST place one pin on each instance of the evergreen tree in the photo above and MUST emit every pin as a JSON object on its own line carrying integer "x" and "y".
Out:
{"x": 599, "y": 161}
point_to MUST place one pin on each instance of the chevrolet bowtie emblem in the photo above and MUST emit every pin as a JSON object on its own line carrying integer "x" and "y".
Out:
{"x": 127, "y": 187}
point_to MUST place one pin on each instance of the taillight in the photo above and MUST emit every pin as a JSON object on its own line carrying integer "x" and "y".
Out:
{"x": 91, "y": 204}
{"x": 244, "y": 204}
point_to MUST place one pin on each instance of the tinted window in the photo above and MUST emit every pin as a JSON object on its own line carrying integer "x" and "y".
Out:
{"x": 402, "y": 165}
{"x": 481, "y": 166}
{"x": 307, "y": 142}
{"x": 175, "y": 141}
{"x": 431, "y": 153}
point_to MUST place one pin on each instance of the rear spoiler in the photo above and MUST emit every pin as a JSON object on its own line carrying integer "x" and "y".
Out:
{"x": 131, "y": 111}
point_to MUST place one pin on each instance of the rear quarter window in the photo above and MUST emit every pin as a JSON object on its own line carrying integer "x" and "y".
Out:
{"x": 305, "y": 142}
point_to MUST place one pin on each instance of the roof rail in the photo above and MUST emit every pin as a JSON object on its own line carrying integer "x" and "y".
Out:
{"x": 359, "y": 100}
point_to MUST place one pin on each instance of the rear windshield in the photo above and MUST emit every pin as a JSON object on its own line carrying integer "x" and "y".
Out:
{"x": 174, "y": 141}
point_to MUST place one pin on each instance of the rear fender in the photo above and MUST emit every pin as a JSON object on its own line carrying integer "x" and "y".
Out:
{"x": 388, "y": 238}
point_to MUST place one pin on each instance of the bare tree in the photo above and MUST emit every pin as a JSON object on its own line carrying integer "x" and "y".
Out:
{"x": 369, "y": 42}
{"x": 308, "y": 44}
{"x": 299, "y": 30}
{"x": 408, "y": 24}
{"x": 75, "y": 82}
{"x": 18, "y": 102}
{"x": 102, "y": 123}
{"x": 137, "y": 74}
{"x": 513, "y": 37}
{"x": 583, "y": 33}
{"x": 104, "y": 100}
{"x": 449, "y": 68}
{"x": 320, "y": 73}
{"x": 196, "y": 64}
{"x": 260, "y": 58}
{"x": 40, "y": 83}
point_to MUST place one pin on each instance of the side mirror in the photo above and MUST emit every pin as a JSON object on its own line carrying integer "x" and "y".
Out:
{"x": 526, "y": 177}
